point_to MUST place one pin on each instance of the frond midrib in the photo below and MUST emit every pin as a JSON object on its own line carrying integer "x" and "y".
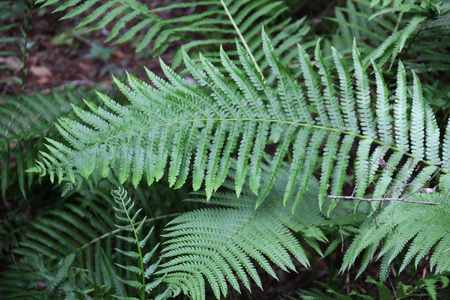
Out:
{"x": 274, "y": 121}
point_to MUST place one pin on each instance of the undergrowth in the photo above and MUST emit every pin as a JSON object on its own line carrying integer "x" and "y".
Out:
{"x": 295, "y": 141}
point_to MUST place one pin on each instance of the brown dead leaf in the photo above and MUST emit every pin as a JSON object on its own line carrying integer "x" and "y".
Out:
{"x": 11, "y": 61}
{"x": 118, "y": 55}
{"x": 41, "y": 71}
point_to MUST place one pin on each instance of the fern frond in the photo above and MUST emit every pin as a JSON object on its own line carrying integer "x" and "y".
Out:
{"x": 243, "y": 115}
{"x": 215, "y": 245}
{"x": 24, "y": 121}
{"x": 123, "y": 211}
{"x": 416, "y": 31}
{"x": 422, "y": 227}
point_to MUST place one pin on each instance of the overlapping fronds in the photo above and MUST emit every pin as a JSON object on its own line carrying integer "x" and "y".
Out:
{"x": 85, "y": 227}
{"x": 196, "y": 129}
{"x": 434, "y": 287}
{"x": 402, "y": 6}
{"x": 123, "y": 210}
{"x": 221, "y": 245}
{"x": 81, "y": 230}
{"x": 24, "y": 121}
{"x": 204, "y": 24}
{"x": 421, "y": 40}
{"x": 407, "y": 233}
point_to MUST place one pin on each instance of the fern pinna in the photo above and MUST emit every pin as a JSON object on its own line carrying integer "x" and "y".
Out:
{"x": 196, "y": 129}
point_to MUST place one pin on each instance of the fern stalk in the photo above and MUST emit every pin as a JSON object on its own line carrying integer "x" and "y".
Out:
{"x": 238, "y": 31}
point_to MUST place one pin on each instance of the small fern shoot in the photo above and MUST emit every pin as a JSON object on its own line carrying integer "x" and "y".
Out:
{"x": 123, "y": 212}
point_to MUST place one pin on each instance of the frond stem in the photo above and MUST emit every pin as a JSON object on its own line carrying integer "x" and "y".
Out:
{"x": 381, "y": 199}
{"x": 395, "y": 149}
{"x": 138, "y": 244}
{"x": 242, "y": 38}
{"x": 399, "y": 19}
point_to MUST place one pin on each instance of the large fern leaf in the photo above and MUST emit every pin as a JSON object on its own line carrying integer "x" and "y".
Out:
{"x": 221, "y": 245}
{"x": 196, "y": 129}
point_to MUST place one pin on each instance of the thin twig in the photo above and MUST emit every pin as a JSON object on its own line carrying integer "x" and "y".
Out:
{"x": 381, "y": 199}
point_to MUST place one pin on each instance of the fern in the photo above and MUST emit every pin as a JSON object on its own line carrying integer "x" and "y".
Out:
{"x": 424, "y": 228}
{"x": 62, "y": 233}
{"x": 24, "y": 121}
{"x": 214, "y": 120}
{"x": 123, "y": 210}
{"x": 336, "y": 114}
{"x": 83, "y": 226}
{"x": 220, "y": 245}
{"x": 425, "y": 287}
{"x": 134, "y": 21}
{"x": 384, "y": 34}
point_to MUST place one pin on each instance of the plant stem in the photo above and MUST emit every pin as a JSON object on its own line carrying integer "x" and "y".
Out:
{"x": 138, "y": 244}
{"x": 242, "y": 38}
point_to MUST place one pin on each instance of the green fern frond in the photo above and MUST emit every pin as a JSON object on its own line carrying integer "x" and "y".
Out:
{"x": 416, "y": 31}
{"x": 422, "y": 227}
{"x": 123, "y": 211}
{"x": 217, "y": 245}
{"x": 221, "y": 116}
{"x": 24, "y": 121}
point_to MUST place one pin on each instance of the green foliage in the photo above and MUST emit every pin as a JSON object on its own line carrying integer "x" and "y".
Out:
{"x": 221, "y": 244}
{"x": 194, "y": 129}
{"x": 69, "y": 231}
{"x": 416, "y": 33}
{"x": 205, "y": 18}
{"x": 123, "y": 214}
{"x": 432, "y": 286}
{"x": 270, "y": 136}
{"x": 400, "y": 224}
{"x": 24, "y": 121}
